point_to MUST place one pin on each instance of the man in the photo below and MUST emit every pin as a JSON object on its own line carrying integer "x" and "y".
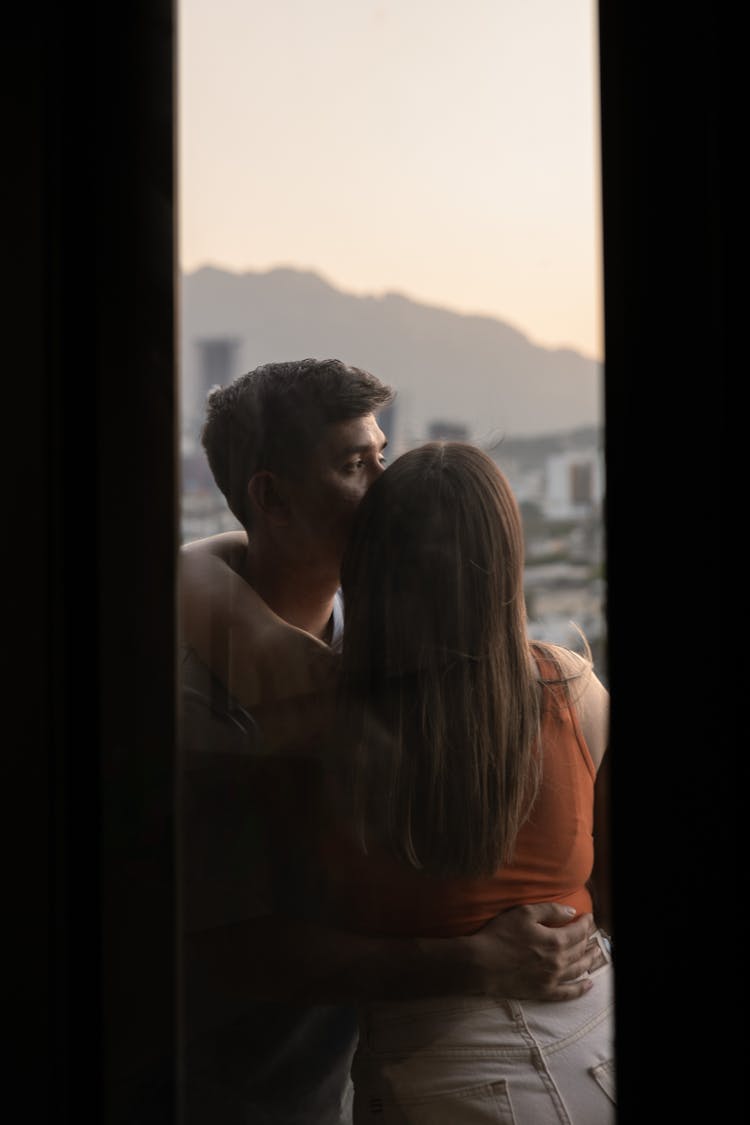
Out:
{"x": 270, "y": 995}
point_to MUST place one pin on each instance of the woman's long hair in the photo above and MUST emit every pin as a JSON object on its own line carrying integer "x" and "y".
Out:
{"x": 440, "y": 700}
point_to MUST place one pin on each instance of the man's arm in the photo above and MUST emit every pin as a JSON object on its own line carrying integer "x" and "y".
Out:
{"x": 237, "y": 808}
{"x": 524, "y": 954}
{"x": 280, "y": 673}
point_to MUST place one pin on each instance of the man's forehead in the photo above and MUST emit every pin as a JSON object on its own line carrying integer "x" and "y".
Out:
{"x": 351, "y": 434}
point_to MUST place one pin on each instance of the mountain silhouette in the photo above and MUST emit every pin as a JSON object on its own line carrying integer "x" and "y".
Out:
{"x": 470, "y": 371}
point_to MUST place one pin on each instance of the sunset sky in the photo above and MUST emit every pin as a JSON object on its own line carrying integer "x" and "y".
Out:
{"x": 443, "y": 149}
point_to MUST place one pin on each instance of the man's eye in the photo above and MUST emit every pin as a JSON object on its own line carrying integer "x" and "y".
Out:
{"x": 352, "y": 466}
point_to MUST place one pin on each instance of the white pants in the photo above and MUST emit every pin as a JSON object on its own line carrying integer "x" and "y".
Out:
{"x": 473, "y": 1060}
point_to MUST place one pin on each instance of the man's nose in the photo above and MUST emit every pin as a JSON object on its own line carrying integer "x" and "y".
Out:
{"x": 377, "y": 468}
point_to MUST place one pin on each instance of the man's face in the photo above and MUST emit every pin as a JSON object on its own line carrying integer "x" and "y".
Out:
{"x": 343, "y": 465}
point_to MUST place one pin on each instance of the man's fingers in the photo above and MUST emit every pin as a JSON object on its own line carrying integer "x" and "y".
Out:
{"x": 571, "y": 990}
{"x": 580, "y": 930}
{"x": 591, "y": 957}
{"x": 597, "y": 956}
{"x": 536, "y": 952}
{"x": 551, "y": 914}
{"x": 557, "y": 927}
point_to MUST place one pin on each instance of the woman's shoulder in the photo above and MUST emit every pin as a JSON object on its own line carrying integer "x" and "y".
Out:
{"x": 585, "y": 692}
{"x": 555, "y": 662}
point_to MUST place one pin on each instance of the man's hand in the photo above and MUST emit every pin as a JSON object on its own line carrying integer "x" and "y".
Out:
{"x": 530, "y": 953}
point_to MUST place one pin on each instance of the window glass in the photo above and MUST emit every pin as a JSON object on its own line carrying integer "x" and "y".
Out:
{"x": 413, "y": 188}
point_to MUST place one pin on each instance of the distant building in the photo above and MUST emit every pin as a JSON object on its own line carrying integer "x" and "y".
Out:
{"x": 217, "y": 356}
{"x": 204, "y": 512}
{"x": 213, "y": 362}
{"x": 574, "y": 484}
{"x": 196, "y": 473}
{"x": 203, "y": 508}
{"x": 447, "y": 431}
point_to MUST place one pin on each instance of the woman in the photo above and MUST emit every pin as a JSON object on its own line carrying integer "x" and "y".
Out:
{"x": 467, "y": 777}
{"x": 467, "y": 767}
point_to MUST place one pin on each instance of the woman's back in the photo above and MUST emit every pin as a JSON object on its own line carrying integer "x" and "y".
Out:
{"x": 378, "y": 893}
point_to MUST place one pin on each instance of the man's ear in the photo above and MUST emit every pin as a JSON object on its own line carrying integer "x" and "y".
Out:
{"x": 268, "y": 497}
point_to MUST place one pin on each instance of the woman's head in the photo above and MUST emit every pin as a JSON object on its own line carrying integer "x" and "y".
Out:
{"x": 437, "y": 681}
{"x": 438, "y": 547}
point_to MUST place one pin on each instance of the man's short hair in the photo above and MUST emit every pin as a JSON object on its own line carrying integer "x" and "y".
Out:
{"x": 273, "y": 417}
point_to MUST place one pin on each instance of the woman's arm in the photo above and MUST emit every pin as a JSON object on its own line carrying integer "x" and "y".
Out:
{"x": 593, "y": 714}
{"x": 592, "y": 707}
{"x": 267, "y": 664}
{"x": 601, "y": 879}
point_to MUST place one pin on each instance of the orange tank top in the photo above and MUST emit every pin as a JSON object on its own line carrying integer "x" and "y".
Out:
{"x": 382, "y": 896}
